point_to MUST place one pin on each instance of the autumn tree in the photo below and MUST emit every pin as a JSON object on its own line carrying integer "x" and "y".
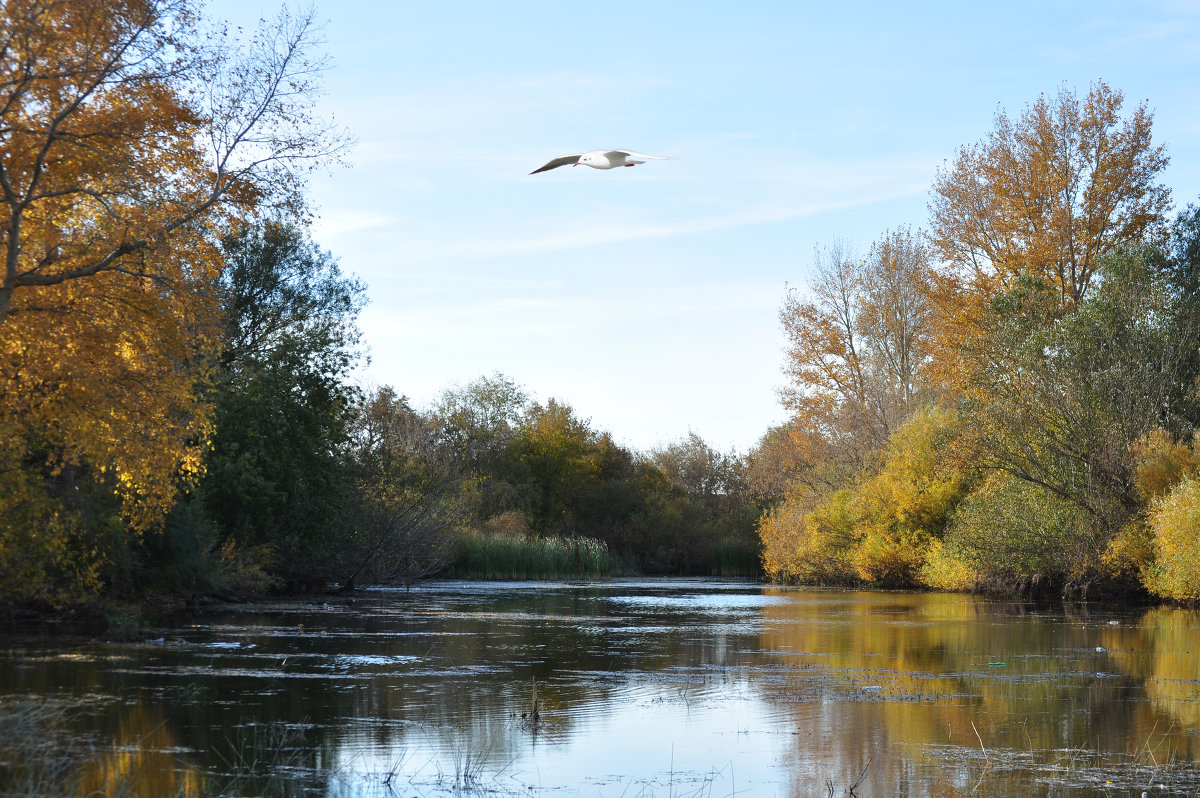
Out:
{"x": 856, "y": 348}
{"x": 1047, "y": 194}
{"x": 129, "y": 136}
{"x": 770, "y": 464}
{"x": 829, "y": 395}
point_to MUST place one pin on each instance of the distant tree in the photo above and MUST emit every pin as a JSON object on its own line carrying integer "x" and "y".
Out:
{"x": 479, "y": 423}
{"x": 564, "y": 456}
{"x": 405, "y": 499}
{"x": 772, "y": 464}
{"x": 708, "y": 478}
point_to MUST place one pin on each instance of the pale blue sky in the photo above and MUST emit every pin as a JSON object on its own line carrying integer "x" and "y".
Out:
{"x": 647, "y": 298}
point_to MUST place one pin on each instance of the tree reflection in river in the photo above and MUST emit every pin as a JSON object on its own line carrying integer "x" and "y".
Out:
{"x": 949, "y": 690}
{"x": 652, "y": 688}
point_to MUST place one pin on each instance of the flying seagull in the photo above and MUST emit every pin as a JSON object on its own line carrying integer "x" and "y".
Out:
{"x": 602, "y": 159}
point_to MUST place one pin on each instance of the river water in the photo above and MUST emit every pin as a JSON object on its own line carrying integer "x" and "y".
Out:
{"x": 642, "y": 688}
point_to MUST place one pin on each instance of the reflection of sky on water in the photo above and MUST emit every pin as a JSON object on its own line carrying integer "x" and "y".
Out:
{"x": 656, "y": 688}
{"x": 643, "y": 736}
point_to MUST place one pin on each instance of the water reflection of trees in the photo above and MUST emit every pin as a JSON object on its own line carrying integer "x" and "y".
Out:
{"x": 1163, "y": 653}
{"x": 904, "y": 678}
{"x": 899, "y": 680}
{"x": 142, "y": 760}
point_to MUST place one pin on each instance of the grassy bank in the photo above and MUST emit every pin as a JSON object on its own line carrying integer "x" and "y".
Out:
{"x": 509, "y": 556}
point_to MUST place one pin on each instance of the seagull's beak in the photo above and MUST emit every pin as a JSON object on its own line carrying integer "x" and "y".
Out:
{"x": 575, "y": 164}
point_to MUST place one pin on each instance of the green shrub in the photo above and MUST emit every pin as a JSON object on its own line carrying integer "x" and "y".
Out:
{"x": 1020, "y": 537}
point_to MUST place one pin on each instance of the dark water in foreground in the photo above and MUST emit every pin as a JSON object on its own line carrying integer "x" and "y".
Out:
{"x": 645, "y": 688}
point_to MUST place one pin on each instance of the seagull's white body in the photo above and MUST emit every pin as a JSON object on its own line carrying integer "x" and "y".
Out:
{"x": 602, "y": 159}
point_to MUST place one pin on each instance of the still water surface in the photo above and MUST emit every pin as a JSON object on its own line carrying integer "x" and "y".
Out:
{"x": 665, "y": 688}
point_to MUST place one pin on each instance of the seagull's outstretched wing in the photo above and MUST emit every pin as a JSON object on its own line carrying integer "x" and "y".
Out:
{"x": 557, "y": 162}
{"x": 632, "y": 154}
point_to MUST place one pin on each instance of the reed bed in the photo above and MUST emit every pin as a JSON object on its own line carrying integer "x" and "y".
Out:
{"x": 736, "y": 558}
{"x": 511, "y": 556}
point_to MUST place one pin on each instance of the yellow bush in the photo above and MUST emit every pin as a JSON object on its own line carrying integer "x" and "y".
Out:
{"x": 878, "y": 529}
{"x": 917, "y": 487}
{"x": 888, "y": 560}
{"x": 809, "y": 538}
{"x": 903, "y": 509}
{"x": 1175, "y": 522}
{"x": 1162, "y": 463}
{"x": 781, "y": 531}
{"x": 945, "y": 569}
{"x": 1130, "y": 555}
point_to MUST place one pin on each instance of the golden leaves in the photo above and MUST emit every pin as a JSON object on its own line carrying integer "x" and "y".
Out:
{"x": 1050, "y": 192}
{"x": 112, "y": 190}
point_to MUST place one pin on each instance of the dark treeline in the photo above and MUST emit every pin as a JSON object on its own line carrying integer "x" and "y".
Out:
{"x": 312, "y": 482}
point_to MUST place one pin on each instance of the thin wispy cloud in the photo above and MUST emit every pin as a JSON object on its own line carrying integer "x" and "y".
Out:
{"x": 580, "y": 234}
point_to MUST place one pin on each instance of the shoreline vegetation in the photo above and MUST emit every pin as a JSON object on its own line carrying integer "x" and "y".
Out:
{"x": 1006, "y": 402}
{"x": 514, "y": 557}
{"x": 480, "y": 556}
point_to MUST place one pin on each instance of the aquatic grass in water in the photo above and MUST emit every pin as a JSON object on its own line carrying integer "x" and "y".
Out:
{"x": 507, "y": 556}
{"x": 736, "y": 558}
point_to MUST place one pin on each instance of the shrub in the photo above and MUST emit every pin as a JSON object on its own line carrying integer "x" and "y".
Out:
{"x": 1175, "y": 523}
{"x": 811, "y": 543}
{"x": 1161, "y": 463}
{"x": 945, "y": 568}
{"x": 1018, "y": 536}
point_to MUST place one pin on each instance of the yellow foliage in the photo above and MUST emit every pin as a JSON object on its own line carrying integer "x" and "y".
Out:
{"x": 1044, "y": 196}
{"x": 921, "y": 484}
{"x": 944, "y": 569}
{"x": 41, "y": 559}
{"x": 888, "y": 559}
{"x": 67, "y": 380}
{"x": 118, "y": 175}
{"x": 1130, "y": 554}
{"x": 107, "y": 307}
{"x": 1161, "y": 463}
{"x": 1048, "y": 193}
{"x": 879, "y": 530}
{"x": 809, "y": 538}
{"x": 1175, "y": 521}
{"x": 904, "y": 508}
